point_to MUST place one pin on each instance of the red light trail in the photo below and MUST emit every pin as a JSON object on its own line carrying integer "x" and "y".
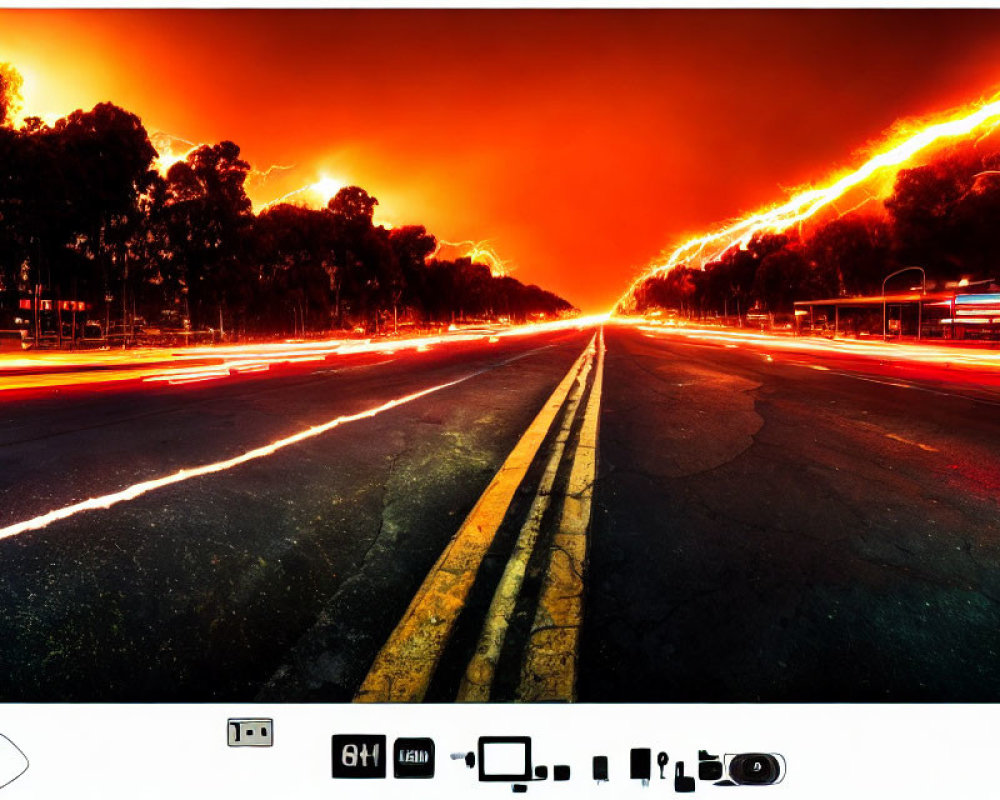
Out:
{"x": 138, "y": 489}
{"x": 967, "y": 358}
{"x": 48, "y": 370}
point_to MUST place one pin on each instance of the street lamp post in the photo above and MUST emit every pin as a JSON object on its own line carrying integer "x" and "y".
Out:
{"x": 923, "y": 291}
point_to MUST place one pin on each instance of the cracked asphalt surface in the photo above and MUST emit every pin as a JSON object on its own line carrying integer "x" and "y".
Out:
{"x": 200, "y": 591}
{"x": 769, "y": 531}
{"x": 766, "y": 527}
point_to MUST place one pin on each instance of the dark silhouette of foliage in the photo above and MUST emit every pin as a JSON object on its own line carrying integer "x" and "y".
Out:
{"x": 84, "y": 216}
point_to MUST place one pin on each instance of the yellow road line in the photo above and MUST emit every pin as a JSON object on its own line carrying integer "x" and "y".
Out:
{"x": 550, "y": 665}
{"x": 478, "y": 680}
{"x": 403, "y": 669}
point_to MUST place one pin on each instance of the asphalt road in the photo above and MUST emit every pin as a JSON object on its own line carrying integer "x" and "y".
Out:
{"x": 782, "y": 527}
{"x": 766, "y": 526}
{"x": 198, "y": 591}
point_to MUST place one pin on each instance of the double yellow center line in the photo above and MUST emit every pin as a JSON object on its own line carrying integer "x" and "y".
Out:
{"x": 403, "y": 669}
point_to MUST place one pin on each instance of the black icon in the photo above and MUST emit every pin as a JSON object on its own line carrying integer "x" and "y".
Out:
{"x": 541, "y": 773}
{"x": 709, "y": 766}
{"x": 413, "y": 758}
{"x": 600, "y": 768}
{"x": 519, "y": 788}
{"x": 505, "y": 758}
{"x": 469, "y": 758}
{"x": 358, "y": 756}
{"x": 639, "y": 764}
{"x": 560, "y": 772}
{"x": 756, "y": 769}
{"x": 661, "y": 762}
{"x": 682, "y": 782}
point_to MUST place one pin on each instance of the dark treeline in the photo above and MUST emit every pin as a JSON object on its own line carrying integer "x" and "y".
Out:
{"x": 84, "y": 214}
{"x": 942, "y": 216}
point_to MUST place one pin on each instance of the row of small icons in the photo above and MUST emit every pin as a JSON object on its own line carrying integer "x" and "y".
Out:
{"x": 508, "y": 759}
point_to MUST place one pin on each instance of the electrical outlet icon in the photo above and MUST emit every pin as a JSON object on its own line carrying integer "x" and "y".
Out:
{"x": 13, "y": 763}
{"x": 251, "y": 732}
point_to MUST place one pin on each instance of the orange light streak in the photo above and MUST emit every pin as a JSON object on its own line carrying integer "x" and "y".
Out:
{"x": 41, "y": 370}
{"x": 931, "y": 355}
{"x": 899, "y": 151}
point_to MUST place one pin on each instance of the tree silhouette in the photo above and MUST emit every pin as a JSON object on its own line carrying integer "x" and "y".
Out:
{"x": 83, "y": 215}
{"x": 207, "y": 219}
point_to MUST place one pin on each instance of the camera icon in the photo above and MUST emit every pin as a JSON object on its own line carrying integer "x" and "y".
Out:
{"x": 755, "y": 769}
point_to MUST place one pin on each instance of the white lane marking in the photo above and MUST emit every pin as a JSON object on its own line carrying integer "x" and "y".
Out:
{"x": 144, "y": 487}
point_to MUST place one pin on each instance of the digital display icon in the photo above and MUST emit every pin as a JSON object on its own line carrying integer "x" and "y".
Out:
{"x": 413, "y": 758}
{"x": 13, "y": 763}
{"x": 250, "y": 732}
{"x": 358, "y": 755}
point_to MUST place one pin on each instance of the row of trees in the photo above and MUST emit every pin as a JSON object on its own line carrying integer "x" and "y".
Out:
{"x": 942, "y": 216}
{"x": 84, "y": 213}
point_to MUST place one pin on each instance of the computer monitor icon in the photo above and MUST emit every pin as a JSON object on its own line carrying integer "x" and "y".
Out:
{"x": 505, "y": 758}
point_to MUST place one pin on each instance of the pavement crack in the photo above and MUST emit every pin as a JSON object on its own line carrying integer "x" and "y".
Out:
{"x": 571, "y": 562}
{"x": 385, "y": 503}
{"x": 552, "y": 627}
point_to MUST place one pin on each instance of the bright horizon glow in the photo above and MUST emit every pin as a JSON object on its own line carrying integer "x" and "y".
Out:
{"x": 578, "y": 176}
{"x": 320, "y": 192}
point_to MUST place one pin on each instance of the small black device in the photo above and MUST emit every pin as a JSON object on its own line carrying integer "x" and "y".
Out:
{"x": 639, "y": 763}
{"x": 662, "y": 759}
{"x": 600, "y": 768}
{"x": 682, "y": 783}
{"x": 560, "y": 772}
{"x": 756, "y": 769}
{"x": 709, "y": 766}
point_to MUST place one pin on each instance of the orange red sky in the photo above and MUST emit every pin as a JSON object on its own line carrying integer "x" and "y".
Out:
{"x": 580, "y": 143}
